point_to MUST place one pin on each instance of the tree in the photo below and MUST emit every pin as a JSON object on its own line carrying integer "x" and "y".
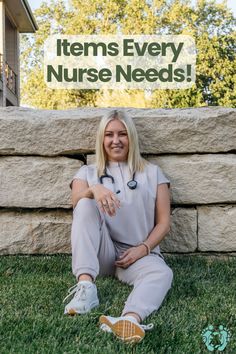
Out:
{"x": 211, "y": 24}
{"x": 213, "y": 27}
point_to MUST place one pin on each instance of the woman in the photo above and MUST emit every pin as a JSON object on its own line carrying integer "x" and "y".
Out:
{"x": 121, "y": 214}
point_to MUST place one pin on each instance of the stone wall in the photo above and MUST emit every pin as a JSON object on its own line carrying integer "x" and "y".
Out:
{"x": 41, "y": 150}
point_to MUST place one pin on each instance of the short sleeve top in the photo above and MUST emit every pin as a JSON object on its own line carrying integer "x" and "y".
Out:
{"x": 135, "y": 219}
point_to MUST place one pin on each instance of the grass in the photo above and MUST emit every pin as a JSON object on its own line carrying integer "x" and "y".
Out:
{"x": 32, "y": 320}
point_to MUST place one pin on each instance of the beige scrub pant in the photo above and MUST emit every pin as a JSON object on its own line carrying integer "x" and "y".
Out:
{"x": 94, "y": 252}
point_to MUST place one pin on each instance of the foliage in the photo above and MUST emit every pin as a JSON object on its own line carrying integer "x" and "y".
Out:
{"x": 123, "y": 98}
{"x": 211, "y": 24}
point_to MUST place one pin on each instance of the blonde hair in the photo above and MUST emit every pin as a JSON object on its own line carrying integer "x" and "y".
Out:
{"x": 136, "y": 162}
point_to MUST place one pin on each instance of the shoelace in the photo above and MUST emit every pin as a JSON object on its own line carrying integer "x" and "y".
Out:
{"x": 147, "y": 327}
{"x": 79, "y": 290}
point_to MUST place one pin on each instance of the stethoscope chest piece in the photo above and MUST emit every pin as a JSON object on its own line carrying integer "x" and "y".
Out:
{"x": 132, "y": 184}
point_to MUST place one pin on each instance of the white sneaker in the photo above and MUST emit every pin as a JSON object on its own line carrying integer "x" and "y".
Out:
{"x": 125, "y": 328}
{"x": 85, "y": 298}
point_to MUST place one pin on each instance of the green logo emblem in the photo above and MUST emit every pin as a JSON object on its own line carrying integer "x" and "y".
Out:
{"x": 216, "y": 340}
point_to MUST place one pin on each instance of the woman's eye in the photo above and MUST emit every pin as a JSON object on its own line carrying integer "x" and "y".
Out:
{"x": 111, "y": 135}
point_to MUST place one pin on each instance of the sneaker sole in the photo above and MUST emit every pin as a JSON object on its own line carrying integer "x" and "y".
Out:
{"x": 73, "y": 312}
{"x": 125, "y": 330}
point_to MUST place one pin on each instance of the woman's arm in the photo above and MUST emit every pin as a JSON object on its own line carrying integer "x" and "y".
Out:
{"x": 80, "y": 189}
{"x": 106, "y": 199}
{"x": 162, "y": 217}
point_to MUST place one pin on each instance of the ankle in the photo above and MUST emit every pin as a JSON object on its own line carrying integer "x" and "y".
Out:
{"x": 86, "y": 277}
{"x": 133, "y": 315}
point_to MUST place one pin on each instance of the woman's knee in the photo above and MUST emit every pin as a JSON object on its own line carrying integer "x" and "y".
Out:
{"x": 85, "y": 207}
{"x": 84, "y": 202}
{"x": 163, "y": 275}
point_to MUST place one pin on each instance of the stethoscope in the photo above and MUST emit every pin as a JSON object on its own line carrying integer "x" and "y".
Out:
{"x": 131, "y": 184}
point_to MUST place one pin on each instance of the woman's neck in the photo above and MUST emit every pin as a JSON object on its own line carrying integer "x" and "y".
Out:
{"x": 116, "y": 163}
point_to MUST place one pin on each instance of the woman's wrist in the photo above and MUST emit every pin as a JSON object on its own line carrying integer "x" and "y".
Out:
{"x": 146, "y": 246}
{"x": 91, "y": 190}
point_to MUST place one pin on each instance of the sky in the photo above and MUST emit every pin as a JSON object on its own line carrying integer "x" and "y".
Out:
{"x": 34, "y": 4}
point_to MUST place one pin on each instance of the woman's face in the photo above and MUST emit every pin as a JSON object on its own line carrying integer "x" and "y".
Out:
{"x": 116, "y": 142}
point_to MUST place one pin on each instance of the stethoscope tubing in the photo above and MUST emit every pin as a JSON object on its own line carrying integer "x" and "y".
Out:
{"x": 132, "y": 184}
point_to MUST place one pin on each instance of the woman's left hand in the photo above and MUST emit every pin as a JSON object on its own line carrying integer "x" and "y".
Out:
{"x": 131, "y": 255}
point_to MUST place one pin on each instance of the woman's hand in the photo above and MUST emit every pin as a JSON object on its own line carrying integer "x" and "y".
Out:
{"x": 106, "y": 199}
{"x": 131, "y": 255}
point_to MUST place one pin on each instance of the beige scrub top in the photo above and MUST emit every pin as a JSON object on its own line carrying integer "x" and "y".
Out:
{"x": 135, "y": 219}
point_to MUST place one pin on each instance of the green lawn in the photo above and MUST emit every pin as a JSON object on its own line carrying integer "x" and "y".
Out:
{"x": 32, "y": 320}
